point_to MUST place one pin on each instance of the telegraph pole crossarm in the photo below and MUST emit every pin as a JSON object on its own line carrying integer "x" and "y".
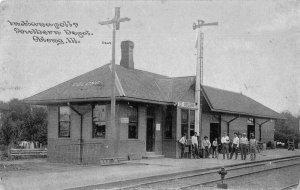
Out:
{"x": 116, "y": 26}
{"x": 114, "y": 21}
{"x": 202, "y": 23}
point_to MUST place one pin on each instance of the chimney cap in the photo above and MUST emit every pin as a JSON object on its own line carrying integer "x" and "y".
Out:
{"x": 127, "y": 43}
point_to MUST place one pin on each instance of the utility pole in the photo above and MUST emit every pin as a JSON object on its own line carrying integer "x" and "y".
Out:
{"x": 199, "y": 72}
{"x": 116, "y": 26}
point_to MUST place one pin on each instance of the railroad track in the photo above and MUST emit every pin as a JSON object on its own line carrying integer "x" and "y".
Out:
{"x": 200, "y": 177}
{"x": 294, "y": 185}
{"x": 241, "y": 174}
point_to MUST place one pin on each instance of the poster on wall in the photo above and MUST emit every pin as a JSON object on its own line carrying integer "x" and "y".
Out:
{"x": 124, "y": 120}
{"x": 158, "y": 127}
{"x": 99, "y": 113}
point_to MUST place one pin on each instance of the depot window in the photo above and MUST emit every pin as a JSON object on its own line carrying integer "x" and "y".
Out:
{"x": 184, "y": 121}
{"x": 64, "y": 121}
{"x": 99, "y": 121}
{"x": 187, "y": 122}
{"x": 133, "y": 122}
{"x": 192, "y": 122}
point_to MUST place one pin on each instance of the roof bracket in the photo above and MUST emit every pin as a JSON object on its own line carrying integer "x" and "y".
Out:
{"x": 233, "y": 119}
{"x": 260, "y": 124}
{"x": 74, "y": 109}
{"x": 230, "y": 120}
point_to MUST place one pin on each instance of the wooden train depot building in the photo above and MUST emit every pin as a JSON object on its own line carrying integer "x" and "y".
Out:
{"x": 152, "y": 113}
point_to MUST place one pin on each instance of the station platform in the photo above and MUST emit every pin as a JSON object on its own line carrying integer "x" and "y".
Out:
{"x": 39, "y": 174}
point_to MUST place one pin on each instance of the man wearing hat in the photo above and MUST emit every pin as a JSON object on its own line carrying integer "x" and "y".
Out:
{"x": 244, "y": 145}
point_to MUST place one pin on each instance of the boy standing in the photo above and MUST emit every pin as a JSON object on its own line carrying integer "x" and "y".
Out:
{"x": 244, "y": 146}
{"x": 225, "y": 145}
{"x": 253, "y": 145}
{"x": 215, "y": 148}
{"x": 195, "y": 145}
{"x": 182, "y": 142}
{"x": 235, "y": 146}
{"x": 206, "y": 146}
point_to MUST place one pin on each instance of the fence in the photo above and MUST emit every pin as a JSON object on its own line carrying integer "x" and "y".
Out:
{"x": 28, "y": 152}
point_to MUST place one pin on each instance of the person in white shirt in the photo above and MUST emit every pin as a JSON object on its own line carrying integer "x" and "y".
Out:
{"x": 244, "y": 146}
{"x": 235, "y": 146}
{"x": 206, "y": 146}
{"x": 253, "y": 145}
{"x": 195, "y": 145}
{"x": 215, "y": 145}
{"x": 225, "y": 145}
{"x": 182, "y": 142}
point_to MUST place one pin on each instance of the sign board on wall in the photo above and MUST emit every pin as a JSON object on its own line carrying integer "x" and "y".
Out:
{"x": 158, "y": 127}
{"x": 188, "y": 105}
{"x": 250, "y": 120}
{"x": 124, "y": 120}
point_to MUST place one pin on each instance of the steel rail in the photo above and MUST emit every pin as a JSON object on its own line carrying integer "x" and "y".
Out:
{"x": 212, "y": 171}
{"x": 238, "y": 176}
{"x": 181, "y": 175}
{"x": 289, "y": 186}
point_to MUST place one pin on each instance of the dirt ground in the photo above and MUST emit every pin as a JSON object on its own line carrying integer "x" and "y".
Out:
{"x": 40, "y": 174}
{"x": 35, "y": 166}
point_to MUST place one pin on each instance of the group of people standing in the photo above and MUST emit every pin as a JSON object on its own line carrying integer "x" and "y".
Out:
{"x": 237, "y": 144}
{"x": 205, "y": 145}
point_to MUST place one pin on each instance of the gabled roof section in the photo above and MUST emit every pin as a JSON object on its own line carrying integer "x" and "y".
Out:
{"x": 93, "y": 84}
{"x": 236, "y": 103}
{"x": 183, "y": 89}
{"x": 141, "y": 84}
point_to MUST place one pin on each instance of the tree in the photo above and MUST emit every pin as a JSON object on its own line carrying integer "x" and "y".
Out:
{"x": 7, "y": 131}
{"x": 288, "y": 128}
{"x": 35, "y": 125}
{"x": 23, "y": 123}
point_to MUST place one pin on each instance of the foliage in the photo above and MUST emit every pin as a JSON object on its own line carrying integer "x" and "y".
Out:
{"x": 23, "y": 123}
{"x": 287, "y": 129}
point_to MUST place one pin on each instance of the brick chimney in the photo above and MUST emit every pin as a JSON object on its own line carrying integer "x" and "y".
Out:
{"x": 127, "y": 54}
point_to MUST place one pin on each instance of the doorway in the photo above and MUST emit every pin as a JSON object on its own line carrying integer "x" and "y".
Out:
{"x": 215, "y": 131}
{"x": 250, "y": 129}
{"x": 150, "y": 135}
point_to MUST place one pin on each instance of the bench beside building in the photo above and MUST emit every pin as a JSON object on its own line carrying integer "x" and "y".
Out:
{"x": 152, "y": 112}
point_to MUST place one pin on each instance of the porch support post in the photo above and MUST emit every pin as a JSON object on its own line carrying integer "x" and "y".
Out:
{"x": 260, "y": 125}
{"x": 178, "y": 130}
{"x": 80, "y": 139}
{"x": 228, "y": 123}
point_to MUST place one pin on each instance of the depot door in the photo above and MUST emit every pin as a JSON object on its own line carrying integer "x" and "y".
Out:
{"x": 215, "y": 131}
{"x": 150, "y": 135}
{"x": 250, "y": 129}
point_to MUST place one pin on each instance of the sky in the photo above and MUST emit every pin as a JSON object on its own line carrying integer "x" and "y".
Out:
{"x": 254, "y": 50}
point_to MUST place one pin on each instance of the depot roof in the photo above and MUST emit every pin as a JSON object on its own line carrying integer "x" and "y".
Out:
{"x": 143, "y": 86}
{"x": 236, "y": 103}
